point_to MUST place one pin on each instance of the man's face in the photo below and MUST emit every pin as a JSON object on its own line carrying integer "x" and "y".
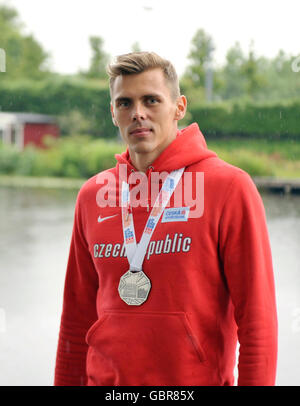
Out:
{"x": 145, "y": 112}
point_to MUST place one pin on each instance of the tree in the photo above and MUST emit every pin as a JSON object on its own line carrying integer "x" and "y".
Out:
{"x": 283, "y": 82}
{"x": 250, "y": 69}
{"x": 8, "y": 21}
{"x": 201, "y": 56}
{"x": 197, "y": 80}
{"x": 231, "y": 74}
{"x": 97, "y": 69}
{"x": 136, "y": 47}
{"x": 25, "y": 57}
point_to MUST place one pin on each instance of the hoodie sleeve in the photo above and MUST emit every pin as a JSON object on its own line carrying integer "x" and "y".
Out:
{"x": 247, "y": 263}
{"x": 79, "y": 309}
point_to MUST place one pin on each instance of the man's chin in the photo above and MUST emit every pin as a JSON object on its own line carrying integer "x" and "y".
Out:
{"x": 143, "y": 147}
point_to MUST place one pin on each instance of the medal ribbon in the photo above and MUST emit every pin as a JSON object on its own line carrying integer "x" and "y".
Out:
{"x": 136, "y": 252}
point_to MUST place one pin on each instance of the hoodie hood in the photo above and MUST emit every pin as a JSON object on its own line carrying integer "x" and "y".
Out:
{"x": 189, "y": 147}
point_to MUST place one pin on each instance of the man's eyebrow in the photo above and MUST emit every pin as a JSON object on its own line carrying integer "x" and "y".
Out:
{"x": 154, "y": 95}
{"x": 118, "y": 99}
{"x": 145, "y": 96}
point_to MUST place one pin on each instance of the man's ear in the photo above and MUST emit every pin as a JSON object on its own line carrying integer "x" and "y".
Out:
{"x": 112, "y": 115}
{"x": 181, "y": 105}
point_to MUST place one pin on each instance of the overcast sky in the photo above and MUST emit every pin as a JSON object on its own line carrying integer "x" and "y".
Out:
{"x": 164, "y": 26}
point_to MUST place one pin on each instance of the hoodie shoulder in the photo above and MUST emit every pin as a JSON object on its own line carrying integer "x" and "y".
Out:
{"x": 220, "y": 175}
{"x": 222, "y": 170}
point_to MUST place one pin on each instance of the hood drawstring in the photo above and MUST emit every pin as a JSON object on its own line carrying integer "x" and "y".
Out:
{"x": 150, "y": 168}
{"x": 129, "y": 207}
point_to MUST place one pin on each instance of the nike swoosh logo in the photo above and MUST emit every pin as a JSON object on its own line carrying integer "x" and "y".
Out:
{"x": 100, "y": 219}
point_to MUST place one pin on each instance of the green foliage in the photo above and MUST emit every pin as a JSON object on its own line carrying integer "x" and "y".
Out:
{"x": 231, "y": 76}
{"x": 9, "y": 157}
{"x": 82, "y": 157}
{"x": 83, "y": 108}
{"x": 275, "y": 121}
{"x": 25, "y": 57}
{"x": 250, "y": 70}
{"x": 257, "y": 78}
{"x": 135, "y": 47}
{"x": 27, "y": 161}
{"x": 250, "y": 161}
{"x": 76, "y": 157}
{"x": 286, "y": 149}
{"x": 260, "y": 157}
{"x": 244, "y": 75}
{"x": 73, "y": 122}
{"x": 200, "y": 55}
{"x": 72, "y": 157}
{"x": 97, "y": 69}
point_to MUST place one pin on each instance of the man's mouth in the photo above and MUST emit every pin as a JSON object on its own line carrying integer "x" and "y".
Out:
{"x": 141, "y": 131}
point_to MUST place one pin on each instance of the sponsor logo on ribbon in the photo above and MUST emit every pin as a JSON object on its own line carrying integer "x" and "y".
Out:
{"x": 128, "y": 236}
{"x": 150, "y": 225}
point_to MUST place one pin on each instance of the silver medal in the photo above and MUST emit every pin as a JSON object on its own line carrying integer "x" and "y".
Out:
{"x": 134, "y": 287}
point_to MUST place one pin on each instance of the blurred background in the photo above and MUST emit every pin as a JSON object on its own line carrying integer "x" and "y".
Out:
{"x": 239, "y": 66}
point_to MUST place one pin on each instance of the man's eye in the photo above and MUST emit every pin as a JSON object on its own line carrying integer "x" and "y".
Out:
{"x": 152, "y": 100}
{"x": 123, "y": 103}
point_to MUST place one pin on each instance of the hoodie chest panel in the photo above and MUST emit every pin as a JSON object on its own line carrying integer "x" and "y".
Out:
{"x": 180, "y": 243}
{"x": 179, "y": 260}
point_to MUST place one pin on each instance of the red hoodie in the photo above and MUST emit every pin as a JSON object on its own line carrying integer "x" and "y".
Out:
{"x": 211, "y": 275}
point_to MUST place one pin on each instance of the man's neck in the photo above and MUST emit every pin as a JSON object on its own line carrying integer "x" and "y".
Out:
{"x": 142, "y": 161}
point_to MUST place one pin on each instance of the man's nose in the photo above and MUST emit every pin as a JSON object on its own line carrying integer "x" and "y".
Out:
{"x": 138, "y": 112}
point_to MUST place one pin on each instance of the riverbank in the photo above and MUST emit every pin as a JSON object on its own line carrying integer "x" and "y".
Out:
{"x": 263, "y": 183}
{"x": 40, "y": 182}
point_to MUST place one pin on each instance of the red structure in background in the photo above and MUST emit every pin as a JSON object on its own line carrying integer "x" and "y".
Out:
{"x": 23, "y": 129}
{"x": 34, "y": 133}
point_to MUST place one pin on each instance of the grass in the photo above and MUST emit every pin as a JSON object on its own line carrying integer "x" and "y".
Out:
{"x": 280, "y": 159}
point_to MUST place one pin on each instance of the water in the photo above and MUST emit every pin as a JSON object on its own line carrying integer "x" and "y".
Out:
{"x": 36, "y": 226}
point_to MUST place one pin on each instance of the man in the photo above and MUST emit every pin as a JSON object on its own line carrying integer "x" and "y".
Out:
{"x": 165, "y": 273}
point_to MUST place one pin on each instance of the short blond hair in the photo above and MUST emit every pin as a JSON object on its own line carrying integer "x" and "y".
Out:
{"x": 138, "y": 62}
